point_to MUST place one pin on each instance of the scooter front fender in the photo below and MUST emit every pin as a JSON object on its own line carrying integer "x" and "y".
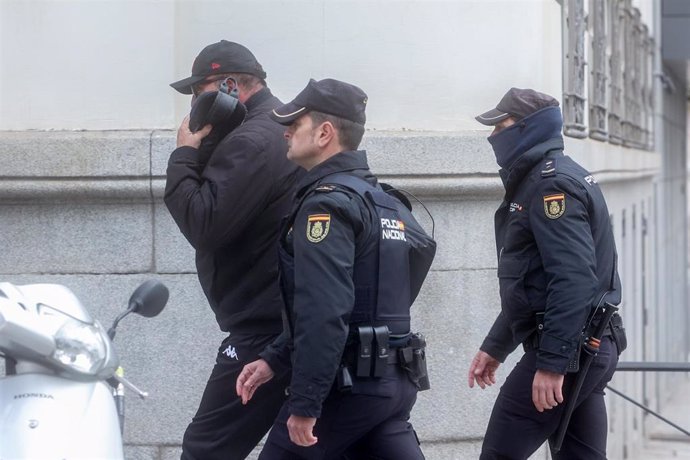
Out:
{"x": 45, "y": 417}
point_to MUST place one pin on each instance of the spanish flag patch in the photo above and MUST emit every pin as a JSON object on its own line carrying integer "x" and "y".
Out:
{"x": 554, "y": 205}
{"x": 317, "y": 227}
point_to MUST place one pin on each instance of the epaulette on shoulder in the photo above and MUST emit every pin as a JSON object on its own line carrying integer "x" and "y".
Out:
{"x": 325, "y": 188}
{"x": 549, "y": 168}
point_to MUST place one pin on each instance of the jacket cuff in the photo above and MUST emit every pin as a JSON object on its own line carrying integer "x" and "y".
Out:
{"x": 555, "y": 353}
{"x": 277, "y": 355}
{"x": 494, "y": 349}
{"x": 185, "y": 152}
{"x": 304, "y": 400}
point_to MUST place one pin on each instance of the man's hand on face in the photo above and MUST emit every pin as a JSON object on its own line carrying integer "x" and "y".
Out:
{"x": 186, "y": 138}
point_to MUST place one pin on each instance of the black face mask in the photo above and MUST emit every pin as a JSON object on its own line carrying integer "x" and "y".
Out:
{"x": 507, "y": 146}
{"x": 221, "y": 110}
{"x": 534, "y": 129}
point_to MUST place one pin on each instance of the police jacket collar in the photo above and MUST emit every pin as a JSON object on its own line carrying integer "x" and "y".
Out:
{"x": 513, "y": 177}
{"x": 355, "y": 161}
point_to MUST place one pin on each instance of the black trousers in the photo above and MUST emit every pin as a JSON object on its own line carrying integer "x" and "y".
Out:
{"x": 355, "y": 427}
{"x": 223, "y": 428}
{"x": 516, "y": 429}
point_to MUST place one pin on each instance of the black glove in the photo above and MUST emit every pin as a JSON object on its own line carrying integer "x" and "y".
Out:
{"x": 221, "y": 110}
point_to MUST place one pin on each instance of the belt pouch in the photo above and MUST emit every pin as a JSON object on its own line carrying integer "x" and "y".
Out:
{"x": 363, "y": 364}
{"x": 344, "y": 379}
{"x": 419, "y": 361}
{"x": 412, "y": 358}
{"x": 381, "y": 360}
{"x": 618, "y": 333}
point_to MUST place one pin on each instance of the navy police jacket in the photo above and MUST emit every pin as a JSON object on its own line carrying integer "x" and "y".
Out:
{"x": 329, "y": 232}
{"x": 556, "y": 254}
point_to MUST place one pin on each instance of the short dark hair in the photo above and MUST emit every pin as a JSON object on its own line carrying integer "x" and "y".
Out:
{"x": 349, "y": 133}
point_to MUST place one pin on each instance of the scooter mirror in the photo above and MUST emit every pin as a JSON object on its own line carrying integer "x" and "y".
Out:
{"x": 149, "y": 299}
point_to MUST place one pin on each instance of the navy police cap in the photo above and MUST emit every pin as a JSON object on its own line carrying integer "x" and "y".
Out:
{"x": 516, "y": 103}
{"x": 328, "y": 96}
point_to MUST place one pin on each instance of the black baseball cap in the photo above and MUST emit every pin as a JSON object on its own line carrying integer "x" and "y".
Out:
{"x": 517, "y": 103}
{"x": 329, "y": 96}
{"x": 219, "y": 58}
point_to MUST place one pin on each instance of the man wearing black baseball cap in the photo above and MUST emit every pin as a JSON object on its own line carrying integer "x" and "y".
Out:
{"x": 341, "y": 252}
{"x": 228, "y": 197}
{"x": 557, "y": 274}
{"x": 217, "y": 60}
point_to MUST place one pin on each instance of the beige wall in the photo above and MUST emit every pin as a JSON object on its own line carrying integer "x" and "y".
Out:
{"x": 106, "y": 64}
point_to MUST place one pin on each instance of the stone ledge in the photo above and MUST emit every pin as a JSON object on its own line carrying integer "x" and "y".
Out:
{"x": 391, "y": 152}
{"x": 128, "y": 189}
{"x": 75, "y": 153}
{"x": 18, "y": 191}
{"x": 125, "y": 166}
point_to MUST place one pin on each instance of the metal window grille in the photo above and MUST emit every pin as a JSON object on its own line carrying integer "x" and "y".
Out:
{"x": 648, "y": 91}
{"x": 620, "y": 103}
{"x": 574, "y": 96}
{"x": 616, "y": 26}
{"x": 598, "y": 107}
{"x": 630, "y": 82}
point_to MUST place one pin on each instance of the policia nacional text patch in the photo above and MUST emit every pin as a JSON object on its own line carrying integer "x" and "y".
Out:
{"x": 317, "y": 227}
{"x": 554, "y": 205}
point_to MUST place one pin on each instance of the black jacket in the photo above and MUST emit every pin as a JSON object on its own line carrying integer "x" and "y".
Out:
{"x": 229, "y": 208}
{"x": 556, "y": 254}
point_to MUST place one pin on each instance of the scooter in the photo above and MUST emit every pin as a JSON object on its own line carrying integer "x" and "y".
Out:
{"x": 62, "y": 395}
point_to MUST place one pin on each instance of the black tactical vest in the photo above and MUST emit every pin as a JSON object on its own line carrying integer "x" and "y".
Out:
{"x": 387, "y": 282}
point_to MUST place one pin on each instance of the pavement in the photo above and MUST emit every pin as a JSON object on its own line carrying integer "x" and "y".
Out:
{"x": 665, "y": 442}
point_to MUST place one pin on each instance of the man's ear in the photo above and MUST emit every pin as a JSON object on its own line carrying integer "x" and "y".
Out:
{"x": 327, "y": 134}
{"x": 229, "y": 85}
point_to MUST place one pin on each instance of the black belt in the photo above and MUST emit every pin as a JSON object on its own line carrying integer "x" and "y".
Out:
{"x": 608, "y": 332}
{"x": 349, "y": 356}
{"x": 532, "y": 342}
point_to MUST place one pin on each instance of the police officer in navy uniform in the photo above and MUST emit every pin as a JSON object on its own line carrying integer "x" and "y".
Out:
{"x": 556, "y": 265}
{"x": 335, "y": 245}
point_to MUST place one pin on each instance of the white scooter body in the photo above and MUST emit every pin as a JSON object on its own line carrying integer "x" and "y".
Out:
{"x": 46, "y": 417}
{"x": 55, "y": 403}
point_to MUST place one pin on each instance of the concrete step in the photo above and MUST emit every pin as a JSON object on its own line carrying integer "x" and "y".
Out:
{"x": 663, "y": 440}
{"x": 662, "y": 450}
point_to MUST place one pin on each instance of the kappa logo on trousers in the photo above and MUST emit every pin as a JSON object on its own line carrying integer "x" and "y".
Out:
{"x": 231, "y": 353}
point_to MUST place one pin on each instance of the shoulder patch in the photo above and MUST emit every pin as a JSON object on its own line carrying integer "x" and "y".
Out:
{"x": 317, "y": 227}
{"x": 554, "y": 205}
{"x": 549, "y": 168}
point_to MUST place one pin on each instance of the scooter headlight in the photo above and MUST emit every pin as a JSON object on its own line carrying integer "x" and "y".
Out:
{"x": 80, "y": 347}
